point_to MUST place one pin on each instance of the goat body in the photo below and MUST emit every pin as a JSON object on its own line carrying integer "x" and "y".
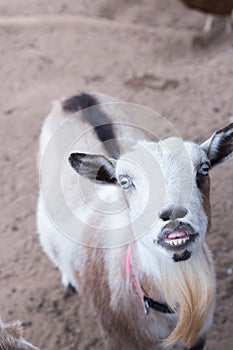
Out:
{"x": 214, "y": 7}
{"x": 170, "y": 260}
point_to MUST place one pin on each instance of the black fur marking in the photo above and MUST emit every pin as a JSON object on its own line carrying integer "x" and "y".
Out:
{"x": 224, "y": 147}
{"x": 96, "y": 168}
{"x": 181, "y": 256}
{"x": 99, "y": 120}
{"x": 79, "y": 102}
{"x": 104, "y": 175}
{"x": 200, "y": 344}
{"x": 75, "y": 160}
{"x": 71, "y": 290}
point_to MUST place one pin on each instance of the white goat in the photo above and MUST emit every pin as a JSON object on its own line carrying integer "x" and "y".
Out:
{"x": 11, "y": 337}
{"x": 160, "y": 288}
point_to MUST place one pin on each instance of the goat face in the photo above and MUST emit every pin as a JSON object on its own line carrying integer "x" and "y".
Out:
{"x": 166, "y": 188}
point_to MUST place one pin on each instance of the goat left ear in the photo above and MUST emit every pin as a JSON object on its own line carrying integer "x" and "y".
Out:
{"x": 96, "y": 168}
{"x": 219, "y": 147}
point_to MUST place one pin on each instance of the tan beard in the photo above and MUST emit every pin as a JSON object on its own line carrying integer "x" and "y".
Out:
{"x": 189, "y": 289}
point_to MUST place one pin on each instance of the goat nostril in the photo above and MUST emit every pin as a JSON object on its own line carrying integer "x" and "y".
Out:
{"x": 166, "y": 214}
{"x": 173, "y": 213}
{"x": 179, "y": 212}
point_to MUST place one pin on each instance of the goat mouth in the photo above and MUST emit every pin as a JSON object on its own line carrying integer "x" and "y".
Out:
{"x": 178, "y": 238}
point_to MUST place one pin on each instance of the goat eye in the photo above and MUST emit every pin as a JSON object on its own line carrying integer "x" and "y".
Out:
{"x": 125, "y": 181}
{"x": 204, "y": 169}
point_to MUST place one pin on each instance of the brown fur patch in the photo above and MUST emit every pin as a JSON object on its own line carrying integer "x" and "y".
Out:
{"x": 214, "y": 7}
{"x": 14, "y": 329}
{"x": 118, "y": 325}
{"x": 11, "y": 337}
{"x": 203, "y": 183}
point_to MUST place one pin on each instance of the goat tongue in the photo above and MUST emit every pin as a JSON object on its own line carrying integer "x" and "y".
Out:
{"x": 176, "y": 234}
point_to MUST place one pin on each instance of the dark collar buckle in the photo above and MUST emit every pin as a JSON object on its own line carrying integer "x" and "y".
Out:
{"x": 146, "y": 306}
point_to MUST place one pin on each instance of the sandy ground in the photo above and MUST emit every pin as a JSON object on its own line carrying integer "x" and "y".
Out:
{"x": 139, "y": 51}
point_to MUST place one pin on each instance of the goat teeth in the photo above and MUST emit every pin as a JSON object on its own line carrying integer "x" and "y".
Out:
{"x": 177, "y": 241}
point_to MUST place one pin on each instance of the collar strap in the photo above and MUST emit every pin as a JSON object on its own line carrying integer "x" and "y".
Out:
{"x": 161, "y": 307}
{"x": 146, "y": 301}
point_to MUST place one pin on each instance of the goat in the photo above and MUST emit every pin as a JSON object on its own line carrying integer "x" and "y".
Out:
{"x": 11, "y": 337}
{"x": 157, "y": 283}
{"x": 218, "y": 11}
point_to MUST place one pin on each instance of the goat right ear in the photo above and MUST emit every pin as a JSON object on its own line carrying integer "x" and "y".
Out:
{"x": 96, "y": 168}
{"x": 219, "y": 147}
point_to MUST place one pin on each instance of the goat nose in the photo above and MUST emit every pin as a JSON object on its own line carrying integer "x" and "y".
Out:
{"x": 173, "y": 213}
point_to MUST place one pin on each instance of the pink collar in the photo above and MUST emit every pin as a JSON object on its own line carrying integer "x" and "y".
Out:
{"x": 134, "y": 280}
{"x": 146, "y": 301}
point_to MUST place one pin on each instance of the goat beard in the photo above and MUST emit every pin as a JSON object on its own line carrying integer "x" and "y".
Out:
{"x": 189, "y": 290}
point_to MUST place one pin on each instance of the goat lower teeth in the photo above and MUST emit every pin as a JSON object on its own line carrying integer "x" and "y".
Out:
{"x": 178, "y": 241}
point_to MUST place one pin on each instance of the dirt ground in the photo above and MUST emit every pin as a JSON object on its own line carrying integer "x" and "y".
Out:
{"x": 141, "y": 52}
